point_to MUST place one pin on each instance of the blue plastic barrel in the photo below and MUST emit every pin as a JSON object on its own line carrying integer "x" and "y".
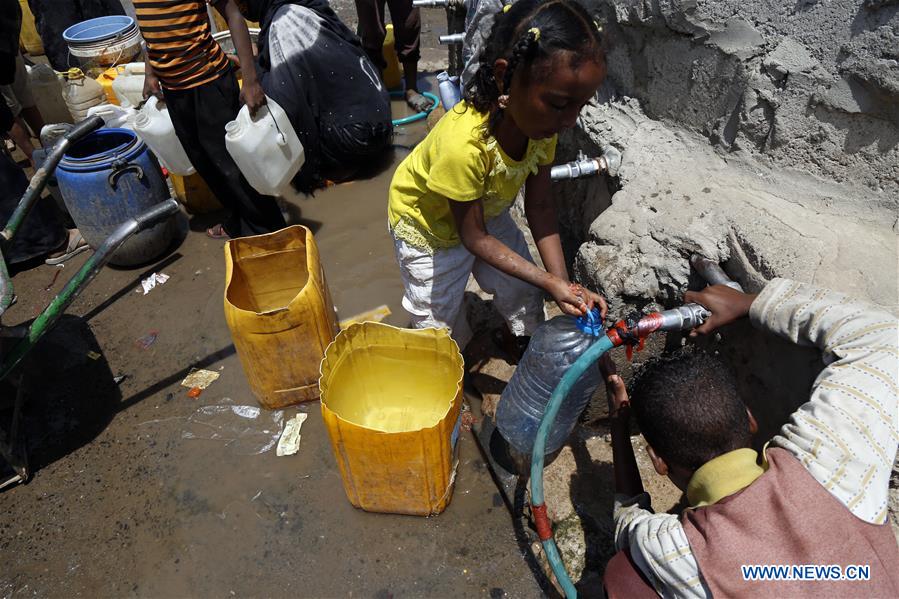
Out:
{"x": 108, "y": 177}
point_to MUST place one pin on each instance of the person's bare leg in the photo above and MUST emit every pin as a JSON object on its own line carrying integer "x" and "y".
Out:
{"x": 19, "y": 134}
{"x": 35, "y": 120}
{"x": 414, "y": 99}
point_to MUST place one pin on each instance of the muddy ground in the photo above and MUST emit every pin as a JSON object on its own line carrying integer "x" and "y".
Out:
{"x": 125, "y": 500}
{"x": 122, "y": 504}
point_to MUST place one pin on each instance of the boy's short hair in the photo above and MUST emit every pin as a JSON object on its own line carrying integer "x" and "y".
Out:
{"x": 688, "y": 408}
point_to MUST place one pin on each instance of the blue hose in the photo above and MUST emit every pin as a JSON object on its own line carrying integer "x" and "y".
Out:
{"x": 412, "y": 118}
{"x": 571, "y": 376}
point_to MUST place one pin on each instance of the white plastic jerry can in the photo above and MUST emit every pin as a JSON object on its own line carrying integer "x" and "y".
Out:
{"x": 81, "y": 93}
{"x": 128, "y": 85}
{"x": 115, "y": 116}
{"x": 154, "y": 125}
{"x": 46, "y": 87}
{"x": 265, "y": 148}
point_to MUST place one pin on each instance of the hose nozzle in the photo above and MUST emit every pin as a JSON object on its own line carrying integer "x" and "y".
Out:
{"x": 683, "y": 318}
{"x": 633, "y": 330}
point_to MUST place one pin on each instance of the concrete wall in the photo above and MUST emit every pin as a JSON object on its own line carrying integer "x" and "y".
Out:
{"x": 761, "y": 133}
{"x": 758, "y": 131}
{"x": 812, "y": 85}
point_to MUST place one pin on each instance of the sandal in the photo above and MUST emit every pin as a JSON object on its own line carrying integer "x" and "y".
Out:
{"x": 217, "y": 232}
{"x": 417, "y": 102}
{"x": 74, "y": 245}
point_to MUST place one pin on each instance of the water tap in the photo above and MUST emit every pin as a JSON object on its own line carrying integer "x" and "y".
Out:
{"x": 633, "y": 330}
{"x": 683, "y": 318}
{"x": 452, "y": 38}
{"x": 609, "y": 162}
{"x": 462, "y": 4}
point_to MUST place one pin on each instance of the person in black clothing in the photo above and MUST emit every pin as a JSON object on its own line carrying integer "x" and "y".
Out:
{"x": 42, "y": 233}
{"x": 10, "y": 25}
{"x": 315, "y": 68}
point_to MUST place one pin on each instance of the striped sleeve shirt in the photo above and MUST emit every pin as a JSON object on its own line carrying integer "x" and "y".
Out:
{"x": 179, "y": 41}
{"x": 846, "y": 435}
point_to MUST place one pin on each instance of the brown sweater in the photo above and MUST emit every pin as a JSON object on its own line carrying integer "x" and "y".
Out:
{"x": 826, "y": 504}
{"x": 787, "y": 518}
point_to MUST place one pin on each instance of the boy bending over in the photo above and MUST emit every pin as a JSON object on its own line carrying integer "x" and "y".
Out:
{"x": 816, "y": 496}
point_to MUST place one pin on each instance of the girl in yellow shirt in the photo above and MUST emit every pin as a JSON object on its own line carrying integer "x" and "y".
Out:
{"x": 450, "y": 198}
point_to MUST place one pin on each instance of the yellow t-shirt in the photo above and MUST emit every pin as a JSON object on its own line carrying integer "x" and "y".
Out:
{"x": 455, "y": 162}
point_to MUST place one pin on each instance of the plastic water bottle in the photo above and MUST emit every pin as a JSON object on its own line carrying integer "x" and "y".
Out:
{"x": 449, "y": 90}
{"x": 553, "y": 348}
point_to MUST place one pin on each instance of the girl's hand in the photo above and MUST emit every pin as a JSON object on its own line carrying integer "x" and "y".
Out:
{"x": 575, "y": 300}
{"x": 571, "y": 298}
{"x": 594, "y": 300}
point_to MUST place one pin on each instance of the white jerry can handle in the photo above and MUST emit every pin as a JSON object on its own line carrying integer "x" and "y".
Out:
{"x": 248, "y": 120}
{"x": 282, "y": 141}
{"x": 151, "y": 104}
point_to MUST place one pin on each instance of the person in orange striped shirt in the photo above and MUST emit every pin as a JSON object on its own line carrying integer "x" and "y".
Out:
{"x": 189, "y": 70}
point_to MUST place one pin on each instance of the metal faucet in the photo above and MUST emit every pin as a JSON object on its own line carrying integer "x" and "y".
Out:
{"x": 456, "y": 11}
{"x": 451, "y": 38}
{"x": 609, "y": 162}
{"x": 633, "y": 329}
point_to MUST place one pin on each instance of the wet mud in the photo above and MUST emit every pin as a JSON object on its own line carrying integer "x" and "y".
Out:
{"x": 122, "y": 503}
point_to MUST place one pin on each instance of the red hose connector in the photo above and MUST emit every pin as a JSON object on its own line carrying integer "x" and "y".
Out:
{"x": 541, "y": 522}
{"x": 633, "y": 331}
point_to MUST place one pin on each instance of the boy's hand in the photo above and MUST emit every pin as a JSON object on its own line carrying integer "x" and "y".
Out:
{"x": 616, "y": 392}
{"x": 252, "y": 95}
{"x": 151, "y": 86}
{"x": 725, "y": 304}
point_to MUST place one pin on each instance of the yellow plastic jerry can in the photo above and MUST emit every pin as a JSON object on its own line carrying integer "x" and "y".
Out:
{"x": 280, "y": 313}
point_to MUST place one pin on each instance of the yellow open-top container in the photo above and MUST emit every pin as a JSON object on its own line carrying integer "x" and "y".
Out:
{"x": 391, "y": 400}
{"x": 280, "y": 313}
{"x": 393, "y": 75}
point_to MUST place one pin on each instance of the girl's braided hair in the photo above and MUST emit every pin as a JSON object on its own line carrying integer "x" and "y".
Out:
{"x": 524, "y": 33}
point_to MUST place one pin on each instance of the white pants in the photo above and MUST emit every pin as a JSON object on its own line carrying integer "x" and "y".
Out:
{"x": 435, "y": 285}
